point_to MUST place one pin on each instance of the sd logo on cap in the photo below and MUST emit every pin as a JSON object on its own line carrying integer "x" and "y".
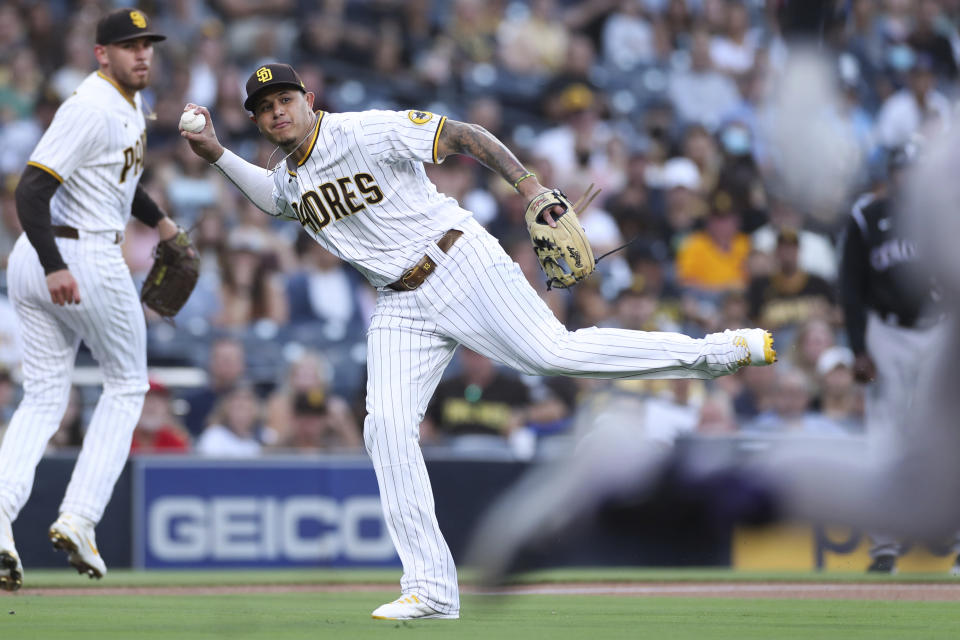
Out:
{"x": 125, "y": 24}
{"x": 270, "y": 76}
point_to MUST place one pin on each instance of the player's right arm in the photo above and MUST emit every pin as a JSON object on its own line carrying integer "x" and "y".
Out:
{"x": 32, "y": 195}
{"x": 75, "y": 135}
{"x": 255, "y": 183}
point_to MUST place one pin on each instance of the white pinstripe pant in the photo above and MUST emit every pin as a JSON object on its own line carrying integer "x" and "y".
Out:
{"x": 110, "y": 321}
{"x": 478, "y": 297}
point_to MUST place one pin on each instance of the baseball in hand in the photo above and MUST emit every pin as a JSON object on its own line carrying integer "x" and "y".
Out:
{"x": 192, "y": 122}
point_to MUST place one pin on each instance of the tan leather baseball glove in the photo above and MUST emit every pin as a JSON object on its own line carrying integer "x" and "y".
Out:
{"x": 563, "y": 251}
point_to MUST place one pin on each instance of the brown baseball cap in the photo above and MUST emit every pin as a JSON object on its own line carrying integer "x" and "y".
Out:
{"x": 270, "y": 76}
{"x": 721, "y": 203}
{"x": 788, "y": 235}
{"x": 125, "y": 24}
{"x": 313, "y": 402}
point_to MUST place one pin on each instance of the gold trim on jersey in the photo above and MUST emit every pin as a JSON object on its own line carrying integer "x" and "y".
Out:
{"x": 313, "y": 142}
{"x": 47, "y": 169}
{"x": 126, "y": 96}
{"x": 436, "y": 138}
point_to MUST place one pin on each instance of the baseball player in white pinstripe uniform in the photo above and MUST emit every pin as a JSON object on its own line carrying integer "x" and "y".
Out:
{"x": 356, "y": 182}
{"x": 68, "y": 282}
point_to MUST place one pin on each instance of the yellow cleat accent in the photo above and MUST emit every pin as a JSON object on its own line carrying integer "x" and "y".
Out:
{"x": 769, "y": 353}
{"x": 751, "y": 347}
{"x": 14, "y": 578}
{"x": 740, "y": 341}
{"x": 70, "y": 535}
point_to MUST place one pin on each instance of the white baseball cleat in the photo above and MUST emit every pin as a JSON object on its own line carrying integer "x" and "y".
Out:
{"x": 754, "y": 346}
{"x": 74, "y": 534}
{"x": 409, "y": 608}
{"x": 11, "y": 570}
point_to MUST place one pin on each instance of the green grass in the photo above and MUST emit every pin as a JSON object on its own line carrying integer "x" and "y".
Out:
{"x": 346, "y": 615}
{"x": 390, "y": 577}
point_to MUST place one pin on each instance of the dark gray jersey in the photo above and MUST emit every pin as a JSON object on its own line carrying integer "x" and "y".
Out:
{"x": 881, "y": 271}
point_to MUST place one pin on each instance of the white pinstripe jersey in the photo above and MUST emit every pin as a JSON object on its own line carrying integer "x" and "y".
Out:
{"x": 362, "y": 192}
{"x": 95, "y": 147}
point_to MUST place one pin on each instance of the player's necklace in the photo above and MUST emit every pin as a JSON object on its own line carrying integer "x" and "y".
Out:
{"x": 283, "y": 160}
{"x": 473, "y": 393}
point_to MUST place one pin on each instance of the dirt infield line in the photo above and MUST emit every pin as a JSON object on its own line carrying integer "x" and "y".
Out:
{"x": 873, "y": 591}
{"x": 943, "y": 592}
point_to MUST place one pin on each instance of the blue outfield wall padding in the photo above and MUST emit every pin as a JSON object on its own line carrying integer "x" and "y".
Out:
{"x": 114, "y": 533}
{"x": 323, "y": 511}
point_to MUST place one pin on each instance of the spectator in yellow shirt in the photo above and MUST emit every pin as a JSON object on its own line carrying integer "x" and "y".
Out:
{"x": 714, "y": 260}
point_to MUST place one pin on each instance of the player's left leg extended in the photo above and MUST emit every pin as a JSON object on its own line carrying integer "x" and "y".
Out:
{"x": 484, "y": 301}
{"x": 49, "y": 351}
{"x": 405, "y": 360}
{"x": 112, "y": 324}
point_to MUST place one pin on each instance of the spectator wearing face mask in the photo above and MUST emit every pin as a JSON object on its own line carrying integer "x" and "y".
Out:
{"x": 917, "y": 108}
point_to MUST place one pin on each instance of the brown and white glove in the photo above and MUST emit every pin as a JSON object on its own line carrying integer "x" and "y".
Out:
{"x": 563, "y": 251}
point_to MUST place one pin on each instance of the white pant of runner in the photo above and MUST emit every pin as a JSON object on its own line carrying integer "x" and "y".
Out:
{"x": 478, "y": 297}
{"x": 109, "y": 319}
{"x": 908, "y": 488}
{"x": 899, "y": 354}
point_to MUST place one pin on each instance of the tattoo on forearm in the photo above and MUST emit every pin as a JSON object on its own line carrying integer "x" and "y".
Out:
{"x": 480, "y": 144}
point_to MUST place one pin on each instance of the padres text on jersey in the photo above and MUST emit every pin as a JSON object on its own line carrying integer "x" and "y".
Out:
{"x": 362, "y": 191}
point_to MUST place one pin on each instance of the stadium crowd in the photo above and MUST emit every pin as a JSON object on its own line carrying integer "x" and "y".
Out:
{"x": 660, "y": 103}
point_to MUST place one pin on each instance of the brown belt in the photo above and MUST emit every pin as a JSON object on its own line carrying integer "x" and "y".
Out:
{"x": 63, "y": 231}
{"x": 414, "y": 276}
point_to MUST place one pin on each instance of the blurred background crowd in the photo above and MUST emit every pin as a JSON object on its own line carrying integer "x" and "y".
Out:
{"x": 660, "y": 103}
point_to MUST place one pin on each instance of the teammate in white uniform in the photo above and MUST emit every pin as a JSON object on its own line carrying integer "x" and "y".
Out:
{"x": 356, "y": 182}
{"x": 68, "y": 281}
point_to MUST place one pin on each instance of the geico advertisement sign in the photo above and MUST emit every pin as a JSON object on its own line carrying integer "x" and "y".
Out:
{"x": 237, "y": 528}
